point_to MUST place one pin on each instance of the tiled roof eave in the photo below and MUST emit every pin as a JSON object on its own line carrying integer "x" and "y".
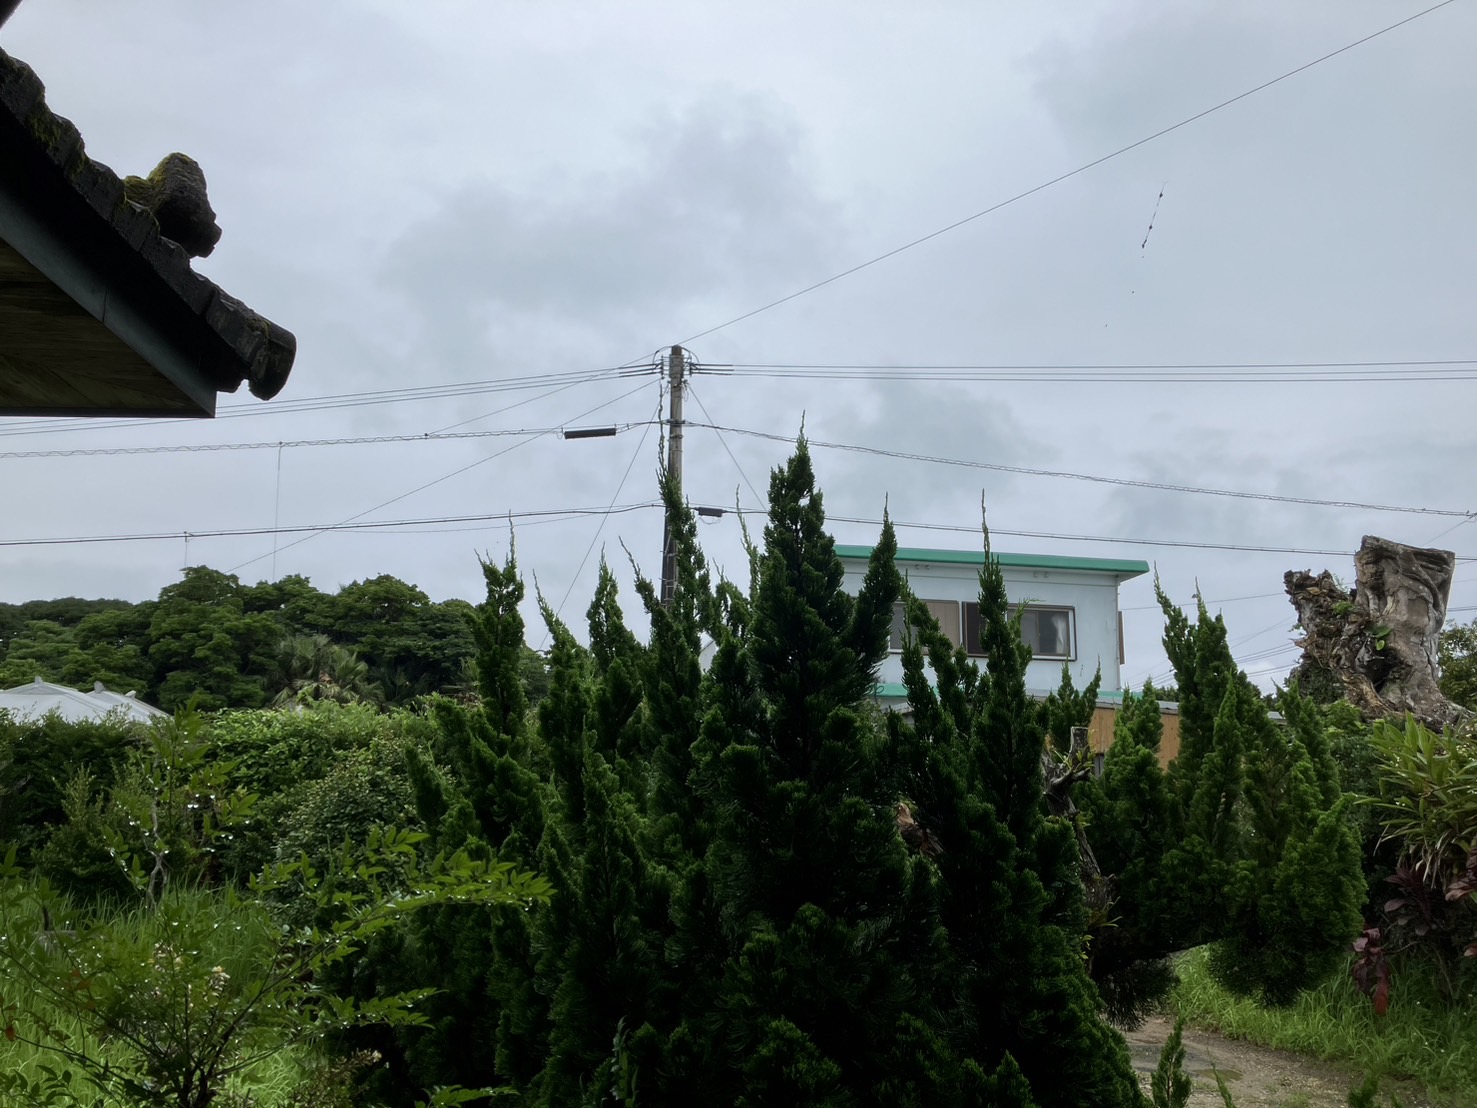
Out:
{"x": 47, "y": 173}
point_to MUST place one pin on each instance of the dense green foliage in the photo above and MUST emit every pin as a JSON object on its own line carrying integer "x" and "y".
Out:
{"x": 1010, "y": 888}
{"x": 1244, "y": 842}
{"x": 736, "y": 918}
{"x": 1457, "y": 655}
{"x": 38, "y": 761}
{"x": 164, "y": 1000}
{"x": 210, "y": 638}
{"x": 763, "y": 889}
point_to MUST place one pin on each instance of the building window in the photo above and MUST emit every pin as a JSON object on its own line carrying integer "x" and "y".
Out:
{"x": 1047, "y": 631}
{"x": 945, "y": 611}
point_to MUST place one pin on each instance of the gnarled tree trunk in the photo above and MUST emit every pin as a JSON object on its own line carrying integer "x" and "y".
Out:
{"x": 1376, "y": 645}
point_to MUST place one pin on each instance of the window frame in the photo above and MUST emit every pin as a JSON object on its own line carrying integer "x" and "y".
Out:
{"x": 899, "y": 609}
{"x": 971, "y": 644}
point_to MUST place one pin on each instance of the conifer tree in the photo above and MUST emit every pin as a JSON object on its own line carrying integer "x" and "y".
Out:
{"x": 1023, "y": 1008}
{"x": 676, "y": 690}
{"x": 1267, "y": 863}
{"x": 1128, "y": 815}
{"x": 487, "y": 1024}
{"x": 1065, "y": 708}
{"x": 830, "y": 939}
{"x": 622, "y": 734}
{"x": 1244, "y": 842}
{"x": 599, "y": 946}
{"x": 1299, "y": 886}
{"x": 690, "y": 713}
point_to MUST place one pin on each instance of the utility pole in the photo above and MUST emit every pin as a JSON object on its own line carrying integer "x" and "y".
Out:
{"x": 676, "y": 376}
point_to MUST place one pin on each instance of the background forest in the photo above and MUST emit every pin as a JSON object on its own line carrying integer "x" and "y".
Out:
{"x": 211, "y": 639}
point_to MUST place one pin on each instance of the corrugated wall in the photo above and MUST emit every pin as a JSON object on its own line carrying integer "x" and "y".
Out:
{"x": 1100, "y": 732}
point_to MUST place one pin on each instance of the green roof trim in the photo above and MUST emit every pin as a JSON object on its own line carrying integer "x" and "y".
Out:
{"x": 890, "y": 690}
{"x": 1121, "y": 566}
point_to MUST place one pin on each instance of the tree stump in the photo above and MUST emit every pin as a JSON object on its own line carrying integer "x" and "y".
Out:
{"x": 1376, "y": 645}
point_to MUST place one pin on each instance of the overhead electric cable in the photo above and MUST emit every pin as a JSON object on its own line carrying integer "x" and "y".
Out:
{"x": 724, "y": 442}
{"x": 1057, "y": 536}
{"x": 1070, "y": 174}
{"x": 1264, "y": 373}
{"x": 596, "y": 537}
{"x": 1094, "y": 478}
{"x": 911, "y": 367}
{"x": 1223, "y": 600}
{"x": 1449, "y": 530}
{"x": 319, "y": 528}
{"x": 369, "y": 525}
{"x": 339, "y": 400}
{"x": 510, "y": 407}
{"x": 289, "y": 444}
{"x": 448, "y": 476}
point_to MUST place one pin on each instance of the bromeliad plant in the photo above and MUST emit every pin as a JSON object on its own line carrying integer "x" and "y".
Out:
{"x": 1427, "y": 804}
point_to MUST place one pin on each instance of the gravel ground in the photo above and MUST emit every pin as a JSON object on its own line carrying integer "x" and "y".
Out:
{"x": 1259, "y": 1077}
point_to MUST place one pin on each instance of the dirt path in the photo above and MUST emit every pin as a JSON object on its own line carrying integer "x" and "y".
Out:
{"x": 1257, "y": 1076}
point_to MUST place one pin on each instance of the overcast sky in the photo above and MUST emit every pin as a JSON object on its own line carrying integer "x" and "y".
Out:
{"x": 444, "y": 192}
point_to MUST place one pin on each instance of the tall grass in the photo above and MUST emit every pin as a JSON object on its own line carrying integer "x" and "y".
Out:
{"x": 31, "y": 1011}
{"x": 1423, "y": 1036}
{"x": 267, "y": 1084}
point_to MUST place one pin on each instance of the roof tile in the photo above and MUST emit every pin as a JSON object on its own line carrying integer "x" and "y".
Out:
{"x": 262, "y": 352}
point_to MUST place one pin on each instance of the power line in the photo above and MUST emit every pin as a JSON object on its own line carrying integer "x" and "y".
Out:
{"x": 724, "y": 443}
{"x": 1224, "y": 600}
{"x": 1066, "y": 176}
{"x": 447, "y": 476}
{"x": 206, "y": 448}
{"x": 371, "y": 525}
{"x": 1057, "y": 536}
{"x": 1096, "y": 478}
{"x": 358, "y": 399}
{"x": 319, "y": 528}
{"x": 1449, "y": 530}
{"x": 596, "y": 537}
{"x": 1037, "y": 366}
{"x": 1119, "y": 373}
{"x": 1060, "y": 537}
{"x": 510, "y": 407}
{"x": 489, "y": 523}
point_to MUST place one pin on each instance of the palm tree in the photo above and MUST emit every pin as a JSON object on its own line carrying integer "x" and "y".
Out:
{"x": 314, "y": 667}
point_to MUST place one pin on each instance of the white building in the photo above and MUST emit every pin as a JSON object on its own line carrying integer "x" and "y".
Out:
{"x": 40, "y": 698}
{"x": 1070, "y": 609}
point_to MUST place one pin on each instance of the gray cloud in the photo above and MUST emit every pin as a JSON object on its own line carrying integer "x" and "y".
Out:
{"x": 465, "y": 192}
{"x": 715, "y": 204}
